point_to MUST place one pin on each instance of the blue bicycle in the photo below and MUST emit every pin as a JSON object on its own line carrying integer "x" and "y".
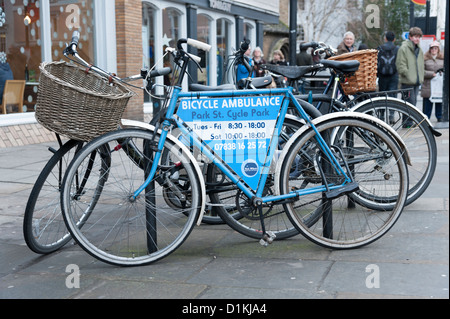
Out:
{"x": 146, "y": 190}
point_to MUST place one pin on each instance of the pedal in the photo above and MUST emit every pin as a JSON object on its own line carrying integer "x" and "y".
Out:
{"x": 346, "y": 189}
{"x": 267, "y": 239}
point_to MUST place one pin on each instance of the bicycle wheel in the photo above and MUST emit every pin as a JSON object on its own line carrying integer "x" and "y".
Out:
{"x": 378, "y": 169}
{"x": 121, "y": 230}
{"x": 416, "y": 134}
{"x": 235, "y": 208}
{"x": 43, "y": 225}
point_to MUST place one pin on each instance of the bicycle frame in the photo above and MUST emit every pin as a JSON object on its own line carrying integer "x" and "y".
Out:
{"x": 188, "y": 134}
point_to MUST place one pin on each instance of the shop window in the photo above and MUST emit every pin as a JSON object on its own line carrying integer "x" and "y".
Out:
{"x": 170, "y": 36}
{"x": 248, "y": 34}
{"x": 20, "y": 45}
{"x": 203, "y": 34}
{"x": 148, "y": 39}
{"x": 223, "y": 49}
{"x": 21, "y": 41}
{"x": 67, "y": 16}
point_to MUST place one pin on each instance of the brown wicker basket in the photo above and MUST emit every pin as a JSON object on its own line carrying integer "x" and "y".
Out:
{"x": 364, "y": 80}
{"x": 78, "y": 104}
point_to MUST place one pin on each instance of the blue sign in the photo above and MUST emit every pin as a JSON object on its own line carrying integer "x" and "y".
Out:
{"x": 237, "y": 129}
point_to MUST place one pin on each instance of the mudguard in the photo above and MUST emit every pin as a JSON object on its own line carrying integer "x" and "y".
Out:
{"x": 146, "y": 126}
{"x": 331, "y": 116}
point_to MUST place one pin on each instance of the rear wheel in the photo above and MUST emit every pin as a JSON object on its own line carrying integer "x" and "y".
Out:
{"x": 416, "y": 134}
{"x": 378, "y": 167}
{"x": 43, "y": 225}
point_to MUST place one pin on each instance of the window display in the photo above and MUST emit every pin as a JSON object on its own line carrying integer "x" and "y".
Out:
{"x": 22, "y": 33}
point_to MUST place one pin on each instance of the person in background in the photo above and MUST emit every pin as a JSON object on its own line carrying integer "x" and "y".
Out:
{"x": 363, "y": 46}
{"x": 304, "y": 58}
{"x": 241, "y": 71}
{"x": 387, "y": 70}
{"x": 348, "y": 44}
{"x": 258, "y": 61}
{"x": 410, "y": 66}
{"x": 278, "y": 58}
{"x": 5, "y": 74}
{"x": 434, "y": 60}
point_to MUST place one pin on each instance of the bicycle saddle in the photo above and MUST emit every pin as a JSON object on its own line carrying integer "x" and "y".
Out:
{"x": 342, "y": 66}
{"x": 195, "y": 87}
{"x": 291, "y": 72}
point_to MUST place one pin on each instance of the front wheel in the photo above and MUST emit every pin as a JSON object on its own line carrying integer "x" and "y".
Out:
{"x": 120, "y": 229}
{"x": 376, "y": 163}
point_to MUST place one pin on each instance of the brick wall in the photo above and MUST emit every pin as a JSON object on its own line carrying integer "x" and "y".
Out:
{"x": 129, "y": 50}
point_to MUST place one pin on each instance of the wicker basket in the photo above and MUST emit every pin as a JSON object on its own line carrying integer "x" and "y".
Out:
{"x": 78, "y": 104}
{"x": 364, "y": 80}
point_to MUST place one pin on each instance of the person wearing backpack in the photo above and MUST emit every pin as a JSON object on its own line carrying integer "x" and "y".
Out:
{"x": 387, "y": 70}
{"x": 410, "y": 65}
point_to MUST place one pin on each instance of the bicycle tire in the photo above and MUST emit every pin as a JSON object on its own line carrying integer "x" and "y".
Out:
{"x": 331, "y": 222}
{"x": 43, "y": 225}
{"x": 119, "y": 229}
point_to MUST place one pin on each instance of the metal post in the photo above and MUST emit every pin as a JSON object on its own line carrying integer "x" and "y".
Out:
{"x": 411, "y": 14}
{"x": 445, "y": 96}
{"x": 191, "y": 14}
{"x": 327, "y": 204}
{"x": 292, "y": 32}
{"x": 150, "y": 201}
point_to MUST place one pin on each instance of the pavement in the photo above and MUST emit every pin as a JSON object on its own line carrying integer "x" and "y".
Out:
{"x": 411, "y": 261}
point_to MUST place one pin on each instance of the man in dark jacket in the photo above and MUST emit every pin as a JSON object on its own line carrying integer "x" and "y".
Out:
{"x": 304, "y": 58}
{"x": 387, "y": 70}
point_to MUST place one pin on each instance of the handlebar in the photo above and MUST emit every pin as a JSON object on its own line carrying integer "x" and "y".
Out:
{"x": 71, "y": 50}
{"x": 75, "y": 37}
{"x": 307, "y": 45}
{"x": 198, "y": 44}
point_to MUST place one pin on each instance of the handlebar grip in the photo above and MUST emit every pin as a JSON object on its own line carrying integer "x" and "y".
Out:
{"x": 195, "y": 58}
{"x": 199, "y": 45}
{"x": 307, "y": 45}
{"x": 160, "y": 72}
{"x": 75, "y": 37}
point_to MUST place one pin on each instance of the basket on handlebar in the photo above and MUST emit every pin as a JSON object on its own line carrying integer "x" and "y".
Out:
{"x": 78, "y": 104}
{"x": 365, "y": 78}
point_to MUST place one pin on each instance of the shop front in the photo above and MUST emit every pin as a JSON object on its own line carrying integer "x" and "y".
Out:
{"x": 123, "y": 36}
{"x": 222, "y": 24}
